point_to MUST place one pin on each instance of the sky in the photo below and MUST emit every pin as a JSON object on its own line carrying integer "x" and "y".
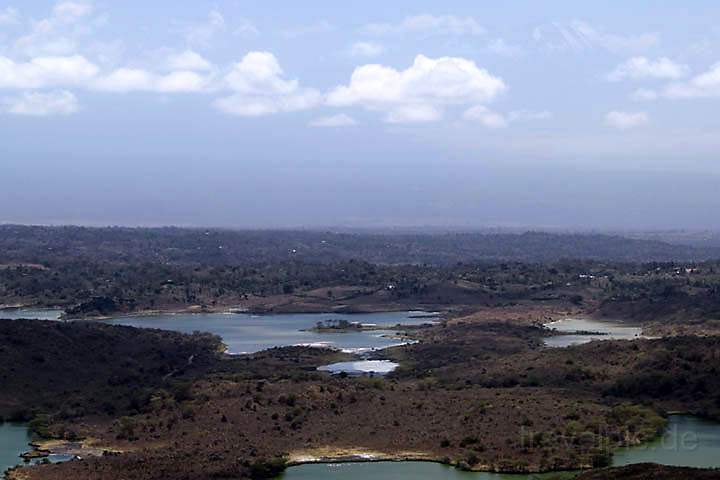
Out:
{"x": 556, "y": 114}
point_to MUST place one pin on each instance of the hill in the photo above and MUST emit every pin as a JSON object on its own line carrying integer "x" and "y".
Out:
{"x": 42, "y": 245}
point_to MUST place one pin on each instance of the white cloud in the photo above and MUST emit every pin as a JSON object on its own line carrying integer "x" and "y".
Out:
{"x": 626, "y": 120}
{"x": 188, "y": 60}
{"x": 125, "y": 80}
{"x": 429, "y": 25}
{"x": 43, "y": 72}
{"x": 420, "y": 92}
{"x": 9, "y": 16}
{"x": 42, "y": 104}
{"x": 254, "y": 86}
{"x": 579, "y": 35}
{"x": 258, "y": 73}
{"x": 340, "y": 120}
{"x": 260, "y": 88}
{"x": 705, "y": 85}
{"x": 181, "y": 82}
{"x": 366, "y": 49}
{"x": 203, "y": 33}
{"x": 642, "y": 67}
{"x": 644, "y": 95}
{"x": 257, "y": 82}
{"x": 485, "y": 116}
{"x": 502, "y": 48}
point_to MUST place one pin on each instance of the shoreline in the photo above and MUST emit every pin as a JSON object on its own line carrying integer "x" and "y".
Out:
{"x": 369, "y": 456}
{"x": 88, "y": 447}
{"x": 230, "y": 310}
{"x": 359, "y": 455}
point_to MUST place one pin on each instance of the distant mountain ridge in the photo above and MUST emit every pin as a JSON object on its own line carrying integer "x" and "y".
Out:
{"x": 171, "y": 245}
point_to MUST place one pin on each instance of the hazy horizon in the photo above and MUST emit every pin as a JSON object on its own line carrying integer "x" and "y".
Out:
{"x": 460, "y": 115}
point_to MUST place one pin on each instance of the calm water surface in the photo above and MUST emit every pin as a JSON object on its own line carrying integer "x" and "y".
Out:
{"x": 610, "y": 330}
{"x": 14, "y": 440}
{"x": 397, "y": 471}
{"x": 379, "y": 367}
{"x": 688, "y": 441}
{"x": 30, "y": 313}
{"x": 245, "y": 333}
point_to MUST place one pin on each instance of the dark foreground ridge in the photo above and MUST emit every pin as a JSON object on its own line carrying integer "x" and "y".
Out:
{"x": 81, "y": 368}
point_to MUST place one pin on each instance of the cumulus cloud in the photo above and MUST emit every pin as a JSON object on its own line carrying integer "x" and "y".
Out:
{"x": 366, "y": 49}
{"x": 257, "y": 73}
{"x": 59, "y": 102}
{"x": 125, "y": 80}
{"x": 420, "y": 92}
{"x": 642, "y": 67}
{"x": 340, "y": 120}
{"x": 43, "y": 72}
{"x": 705, "y": 85}
{"x": 257, "y": 82}
{"x": 188, "y": 60}
{"x": 428, "y": 25}
{"x": 626, "y": 120}
{"x": 254, "y": 86}
{"x": 261, "y": 89}
{"x": 77, "y": 71}
{"x": 578, "y": 35}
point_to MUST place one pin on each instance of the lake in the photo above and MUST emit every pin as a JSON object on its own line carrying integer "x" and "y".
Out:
{"x": 376, "y": 367}
{"x": 398, "y": 471}
{"x": 610, "y": 331}
{"x": 688, "y": 441}
{"x": 14, "y": 440}
{"x": 30, "y": 313}
{"x": 246, "y": 333}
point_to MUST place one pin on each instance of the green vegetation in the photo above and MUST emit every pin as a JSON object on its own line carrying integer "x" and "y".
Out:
{"x": 39, "y": 426}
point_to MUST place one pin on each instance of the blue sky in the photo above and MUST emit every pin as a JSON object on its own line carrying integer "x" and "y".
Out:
{"x": 238, "y": 113}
